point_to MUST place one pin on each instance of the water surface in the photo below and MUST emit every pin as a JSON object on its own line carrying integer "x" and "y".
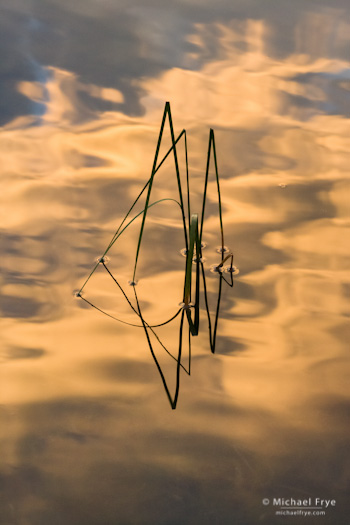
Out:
{"x": 87, "y": 433}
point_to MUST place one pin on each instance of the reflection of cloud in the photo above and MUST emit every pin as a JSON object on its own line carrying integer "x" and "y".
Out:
{"x": 115, "y": 46}
{"x": 321, "y": 240}
{"x": 244, "y": 89}
{"x": 24, "y": 353}
{"x": 155, "y": 463}
{"x": 284, "y": 162}
{"x": 78, "y": 385}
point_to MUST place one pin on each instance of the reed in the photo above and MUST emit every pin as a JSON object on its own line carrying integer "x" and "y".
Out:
{"x": 193, "y": 233}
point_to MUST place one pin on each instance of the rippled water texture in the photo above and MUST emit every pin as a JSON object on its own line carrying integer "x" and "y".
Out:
{"x": 87, "y": 433}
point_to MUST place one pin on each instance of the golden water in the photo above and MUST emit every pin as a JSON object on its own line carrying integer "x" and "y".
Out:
{"x": 87, "y": 433}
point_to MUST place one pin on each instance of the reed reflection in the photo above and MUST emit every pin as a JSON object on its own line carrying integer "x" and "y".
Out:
{"x": 193, "y": 233}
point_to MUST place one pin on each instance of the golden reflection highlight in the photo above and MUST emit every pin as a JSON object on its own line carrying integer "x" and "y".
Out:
{"x": 284, "y": 182}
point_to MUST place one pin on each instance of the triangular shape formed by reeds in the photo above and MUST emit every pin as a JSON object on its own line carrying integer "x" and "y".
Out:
{"x": 193, "y": 232}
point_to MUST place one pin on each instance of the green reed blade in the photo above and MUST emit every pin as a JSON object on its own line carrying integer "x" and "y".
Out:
{"x": 148, "y": 325}
{"x": 205, "y": 188}
{"x": 212, "y": 149}
{"x": 194, "y": 241}
{"x": 173, "y": 402}
{"x": 231, "y": 280}
{"x": 167, "y": 112}
{"x": 218, "y": 187}
{"x": 183, "y": 132}
{"x": 188, "y": 184}
{"x": 212, "y": 332}
{"x": 211, "y": 146}
{"x": 206, "y": 304}
{"x": 177, "y": 388}
{"x": 107, "y": 314}
{"x": 217, "y": 315}
{"x": 189, "y": 258}
{"x": 141, "y": 192}
{"x": 150, "y": 186}
{"x": 132, "y": 307}
{"x": 115, "y": 236}
{"x": 151, "y": 327}
{"x": 138, "y": 215}
{"x": 198, "y": 262}
{"x": 230, "y": 255}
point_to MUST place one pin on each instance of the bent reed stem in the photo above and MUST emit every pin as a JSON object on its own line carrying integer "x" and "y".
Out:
{"x": 193, "y": 233}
